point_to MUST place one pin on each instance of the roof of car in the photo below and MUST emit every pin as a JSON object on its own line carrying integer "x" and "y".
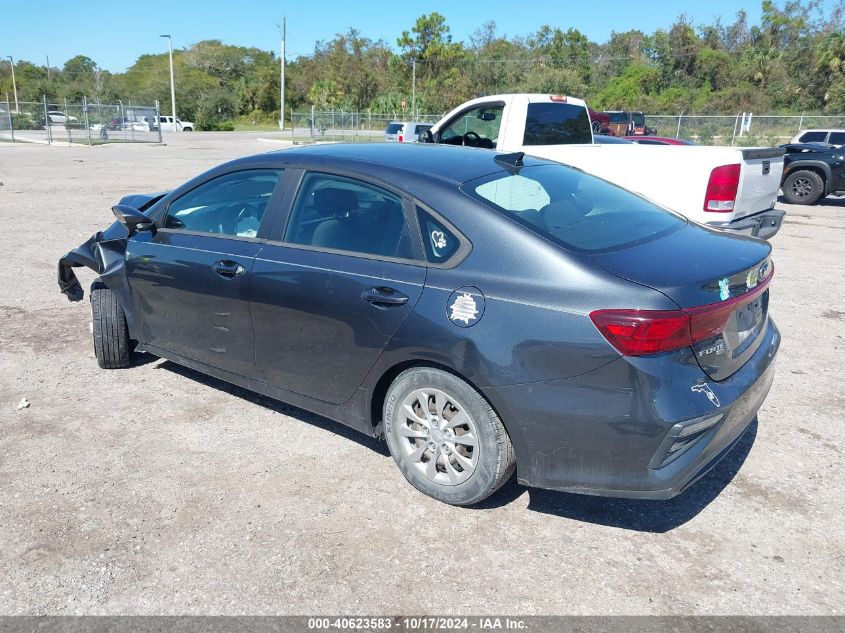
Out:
{"x": 446, "y": 162}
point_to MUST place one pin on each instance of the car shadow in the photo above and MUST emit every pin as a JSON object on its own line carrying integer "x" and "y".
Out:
{"x": 640, "y": 515}
{"x": 374, "y": 444}
{"x": 829, "y": 201}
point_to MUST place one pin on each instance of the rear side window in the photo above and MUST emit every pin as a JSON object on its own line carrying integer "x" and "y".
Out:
{"x": 557, "y": 124}
{"x": 393, "y": 128}
{"x": 576, "y": 210}
{"x": 343, "y": 214}
{"x": 440, "y": 243}
{"x": 837, "y": 138}
{"x": 812, "y": 137}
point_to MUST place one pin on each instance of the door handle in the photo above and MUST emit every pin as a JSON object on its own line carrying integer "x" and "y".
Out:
{"x": 228, "y": 269}
{"x": 382, "y": 296}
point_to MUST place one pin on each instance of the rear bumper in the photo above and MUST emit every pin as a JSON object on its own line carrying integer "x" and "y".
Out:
{"x": 764, "y": 224}
{"x": 608, "y": 433}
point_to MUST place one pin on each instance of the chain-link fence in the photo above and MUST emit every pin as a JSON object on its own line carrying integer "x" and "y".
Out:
{"x": 88, "y": 122}
{"x": 739, "y": 130}
{"x": 742, "y": 129}
{"x": 350, "y": 127}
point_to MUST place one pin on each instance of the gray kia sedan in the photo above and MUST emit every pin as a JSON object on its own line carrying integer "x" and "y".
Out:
{"x": 482, "y": 312}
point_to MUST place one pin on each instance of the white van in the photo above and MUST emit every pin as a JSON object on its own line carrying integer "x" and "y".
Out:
{"x": 404, "y": 131}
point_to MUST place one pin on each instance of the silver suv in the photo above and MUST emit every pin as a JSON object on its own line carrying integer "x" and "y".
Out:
{"x": 831, "y": 136}
{"x": 405, "y": 131}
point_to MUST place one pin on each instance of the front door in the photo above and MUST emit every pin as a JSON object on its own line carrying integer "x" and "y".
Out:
{"x": 190, "y": 279}
{"x": 329, "y": 296}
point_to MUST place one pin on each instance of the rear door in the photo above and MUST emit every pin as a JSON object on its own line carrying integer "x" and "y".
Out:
{"x": 190, "y": 279}
{"x": 334, "y": 285}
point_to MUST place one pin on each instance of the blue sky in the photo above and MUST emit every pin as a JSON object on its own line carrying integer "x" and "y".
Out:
{"x": 115, "y": 33}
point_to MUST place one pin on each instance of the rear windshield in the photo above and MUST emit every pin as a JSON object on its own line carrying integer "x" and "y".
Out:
{"x": 578, "y": 211}
{"x": 617, "y": 117}
{"x": 393, "y": 128}
{"x": 557, "y": 124}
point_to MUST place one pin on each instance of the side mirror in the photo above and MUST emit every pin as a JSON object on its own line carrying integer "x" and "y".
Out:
{"x": 132, "y": 219}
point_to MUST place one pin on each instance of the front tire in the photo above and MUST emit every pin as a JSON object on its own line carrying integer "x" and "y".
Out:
{"x": 111, "y": 335}
{"x": 445, "y": 437}
{"x": 803, "y": 187}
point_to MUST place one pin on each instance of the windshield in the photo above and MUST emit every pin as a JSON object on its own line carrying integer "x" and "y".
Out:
{"x": 617, "y": 117}
{"x": 576, "y": 210}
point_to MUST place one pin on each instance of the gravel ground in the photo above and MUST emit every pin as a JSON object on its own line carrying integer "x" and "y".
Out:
{"x": 156, "y": 490}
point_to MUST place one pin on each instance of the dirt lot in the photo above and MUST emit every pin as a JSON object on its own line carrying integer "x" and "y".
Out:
{"x": 157, "y": 490}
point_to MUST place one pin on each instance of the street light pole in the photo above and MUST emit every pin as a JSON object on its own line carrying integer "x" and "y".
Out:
{"x": 172, "y": 85}
{"x": 14, "y": 85}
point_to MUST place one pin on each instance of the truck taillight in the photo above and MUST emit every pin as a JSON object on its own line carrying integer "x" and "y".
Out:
{"x": 721, "y": 189}
{"x": 641, "y": 332}
{"x": 401, "y": 138}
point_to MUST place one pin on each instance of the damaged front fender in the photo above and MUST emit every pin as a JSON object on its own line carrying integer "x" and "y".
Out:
{"x": 102, "y": 255}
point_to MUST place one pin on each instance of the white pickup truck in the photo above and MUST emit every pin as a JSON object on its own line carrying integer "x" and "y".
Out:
{"x": 725, "y": 187}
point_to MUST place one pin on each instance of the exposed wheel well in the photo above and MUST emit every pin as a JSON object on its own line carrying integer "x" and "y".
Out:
{"x": 380, "y": 390}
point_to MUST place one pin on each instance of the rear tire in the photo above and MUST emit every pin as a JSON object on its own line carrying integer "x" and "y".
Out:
{"x": 111, "y": 335}
{"x": 445, "y": 437}
{"x": 803, "y": 187}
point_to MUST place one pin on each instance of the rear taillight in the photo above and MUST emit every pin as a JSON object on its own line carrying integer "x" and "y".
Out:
{"x": 721, "y": 189}
{"x": 401, "y": 138}
{"x": 641, "y": 332}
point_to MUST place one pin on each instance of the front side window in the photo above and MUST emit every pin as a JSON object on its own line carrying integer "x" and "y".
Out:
{"x": 233, "y": 204}
{"x": 478, "y": 127}
{"x": 836, "y": 138}
{"x": 574, "y": 209}
{"x": 340, "y": 213}
{"x": 557, "y": 124}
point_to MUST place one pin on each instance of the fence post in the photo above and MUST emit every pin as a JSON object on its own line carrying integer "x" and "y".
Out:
{"x": 47, "y": 123}
{"x": 85, "y": 117}
{"x": 800, "y": 122}
{"x": 312, "y": 122}
{"x": 678, "y": 133}
{"x": 67, "y": 125}
{"x": 158, "y": 119}
{"x": 733, "y": 138}
{"x": 9, "y": 113}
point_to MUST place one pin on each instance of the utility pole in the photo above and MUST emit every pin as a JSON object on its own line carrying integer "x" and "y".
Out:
{"x": 14, "y": 85}
{"x": 282, "y": 78}
{"x": 414, "y": 89}
{"x": 48, "y": 68}
{"x": 172, "y": 86}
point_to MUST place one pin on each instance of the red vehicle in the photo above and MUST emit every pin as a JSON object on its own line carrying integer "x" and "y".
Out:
{"x": 659, "y": 140}
{"x": 600, "y": 122}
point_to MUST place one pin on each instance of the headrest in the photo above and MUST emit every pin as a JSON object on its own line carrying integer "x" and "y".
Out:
{"x": 334, "y": 201}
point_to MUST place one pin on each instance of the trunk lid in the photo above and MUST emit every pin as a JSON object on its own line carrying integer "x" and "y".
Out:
{"x": 712, "y": 276}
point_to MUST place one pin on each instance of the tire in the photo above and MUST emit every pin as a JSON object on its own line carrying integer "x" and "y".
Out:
{"x": 472, "y": 453}
{"x": 596, "y": 125}
{"x": 803, "y": 187}
{"x": 187, "y": 129}
{"x": 111, "y": 336}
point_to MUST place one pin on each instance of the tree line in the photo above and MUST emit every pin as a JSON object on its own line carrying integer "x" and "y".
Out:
{"x": 792, "y": 61}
